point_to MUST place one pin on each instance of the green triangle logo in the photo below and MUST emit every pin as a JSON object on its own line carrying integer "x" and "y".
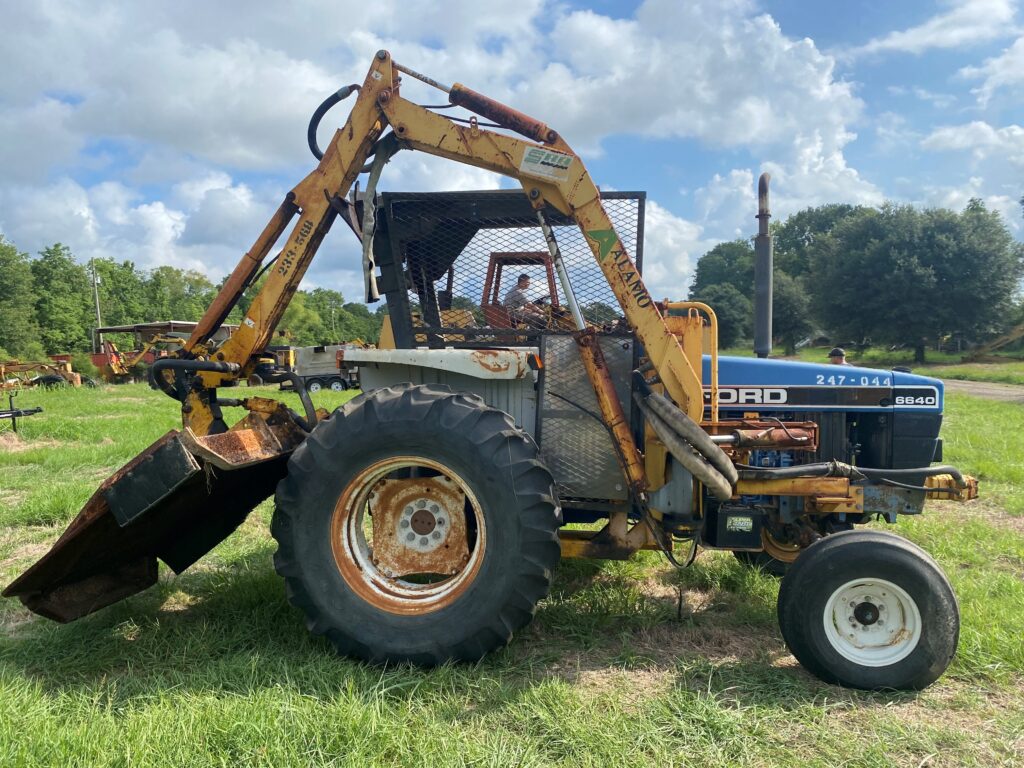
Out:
{"x": 605, "y": 239}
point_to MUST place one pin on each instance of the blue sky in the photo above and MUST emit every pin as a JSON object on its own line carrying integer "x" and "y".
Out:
{"x": 168, "y": 133}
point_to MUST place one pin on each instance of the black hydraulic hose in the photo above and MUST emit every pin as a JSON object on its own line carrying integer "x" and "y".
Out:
{"x": 873, "y": 475}
{"x": 307, "y": 405}
{"x": 685, "y": 427}
{"x": 925, "y": 488}
{"x": 176, "y": 364}
{"x": 684, "y": 453}
{"x": 896, "y": 474}
{"x": 822, "y": 469}
{"x": 314, "y": 122}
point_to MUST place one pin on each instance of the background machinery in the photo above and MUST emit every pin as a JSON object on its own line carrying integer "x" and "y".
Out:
{"x": 15, "y": 374}
{"x": 422, "y": 520}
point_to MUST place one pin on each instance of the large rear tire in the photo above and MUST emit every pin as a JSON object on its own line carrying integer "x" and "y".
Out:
{"x": 441, "y": 465}
{"x": 868, "y": 609}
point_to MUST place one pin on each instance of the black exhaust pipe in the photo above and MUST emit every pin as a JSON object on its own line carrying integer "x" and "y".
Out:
{"x": 763, "y": 258}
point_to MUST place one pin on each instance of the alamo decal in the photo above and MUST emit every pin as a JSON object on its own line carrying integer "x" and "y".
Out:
{"x": 545, "y": 163}
{"x": 608, "y": 245}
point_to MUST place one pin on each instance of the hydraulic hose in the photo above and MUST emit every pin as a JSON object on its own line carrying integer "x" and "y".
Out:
{"x": 175, "y": 364}
{"x": 686, "y": 428}
{"x": 872, "y": 475}
{"x": 314, "y": 122}
{"x": 686, "y": 455}
{"x": 307, "y": 404}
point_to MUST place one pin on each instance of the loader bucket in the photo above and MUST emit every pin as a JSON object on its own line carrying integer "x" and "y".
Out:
{"x": 175, "y": 501}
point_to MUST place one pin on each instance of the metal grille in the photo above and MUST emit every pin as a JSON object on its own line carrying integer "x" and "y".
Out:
{"x": 462, "y": 253}
{"x": 576, "y": 447}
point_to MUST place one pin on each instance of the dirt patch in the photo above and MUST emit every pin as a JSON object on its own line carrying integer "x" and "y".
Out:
{"x": 126, "y": 399}
{"x": 953, "y": 706}
{"x": 985, "y": 510}
{"x": 990, "y": 390}
{"x": 11, "y": 442}
{"x": 11, "y": 623}
{"x": 12, "y": 498}
{"x": 25, "y": 552}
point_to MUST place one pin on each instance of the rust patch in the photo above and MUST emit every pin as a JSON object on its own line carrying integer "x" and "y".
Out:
{"x": 419, "y": 527}
{"x": 491, "y": 360}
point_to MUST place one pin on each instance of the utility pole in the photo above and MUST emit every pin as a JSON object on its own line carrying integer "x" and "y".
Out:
{"x": 97, "y": 338}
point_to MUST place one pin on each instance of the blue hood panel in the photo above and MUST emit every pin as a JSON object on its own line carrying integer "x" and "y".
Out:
{"x": 753, "y": 384}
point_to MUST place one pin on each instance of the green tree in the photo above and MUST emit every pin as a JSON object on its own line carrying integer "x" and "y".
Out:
{"x": 791, "y": 311}
{"x": 794, "y": 238}
{"x": 907, "y": 276}
{"x": 63, "y": 300}
{"x": 18, "y": 328}
{"x": 176, "y": 294}
{"x": 330, "y": 307}
{"x": 122, "y": 292}
{"x": 733, "y": 309}
{"x": 729, "y": 263}
{"x": 600, "y": 313}
{"x": 301, "y": 325}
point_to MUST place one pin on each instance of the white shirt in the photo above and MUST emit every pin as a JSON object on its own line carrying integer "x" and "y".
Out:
{"x": 517, "y": 298}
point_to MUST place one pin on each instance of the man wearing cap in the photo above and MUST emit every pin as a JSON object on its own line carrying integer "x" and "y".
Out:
{"x": 519, "y": 305}
{"x": 837, "y": 356}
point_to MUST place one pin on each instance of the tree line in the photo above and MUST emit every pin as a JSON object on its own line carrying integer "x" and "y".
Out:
{"x": 894, "y": 275}
{"x": 47, "y": 306}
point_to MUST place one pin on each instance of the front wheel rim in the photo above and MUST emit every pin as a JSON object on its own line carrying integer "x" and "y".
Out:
{"x": 872, "y": 622}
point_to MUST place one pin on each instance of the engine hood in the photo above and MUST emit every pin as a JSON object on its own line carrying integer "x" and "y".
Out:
{"x": 788, "y": 385}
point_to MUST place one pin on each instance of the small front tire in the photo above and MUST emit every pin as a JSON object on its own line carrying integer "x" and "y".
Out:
{"x": 870, "y": 610}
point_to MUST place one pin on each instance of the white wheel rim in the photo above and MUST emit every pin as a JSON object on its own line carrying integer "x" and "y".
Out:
{"x": 872, "y": 622}
{"x": 337, "y": 386}
{"x": 314, "y": 387}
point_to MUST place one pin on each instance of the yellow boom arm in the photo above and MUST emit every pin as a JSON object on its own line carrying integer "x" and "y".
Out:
{"x": 549, "y": 171}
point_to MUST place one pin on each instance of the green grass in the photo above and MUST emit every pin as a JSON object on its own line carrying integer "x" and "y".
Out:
{"x": 1010, "y": 372}
{"x": 942, "y": 365}
{"x": 626, "y": 663}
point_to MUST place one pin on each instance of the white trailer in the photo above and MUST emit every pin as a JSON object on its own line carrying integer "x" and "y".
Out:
{"x": 320, "y": 368}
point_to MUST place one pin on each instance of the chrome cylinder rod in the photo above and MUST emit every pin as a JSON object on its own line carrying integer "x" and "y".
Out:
{"x": 563, "y": 276}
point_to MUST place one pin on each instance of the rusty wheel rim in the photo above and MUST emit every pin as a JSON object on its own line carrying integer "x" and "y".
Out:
{"x": 783, "y": 551}
{"x": 351, "y": 542}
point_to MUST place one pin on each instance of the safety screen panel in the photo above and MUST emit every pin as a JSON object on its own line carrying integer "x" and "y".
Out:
{"x": 462, "y": 254}
{"x": 576, "y": 446}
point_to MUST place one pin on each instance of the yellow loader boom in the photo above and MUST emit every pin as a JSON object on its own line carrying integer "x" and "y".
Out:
{"x": 549, "y": 171}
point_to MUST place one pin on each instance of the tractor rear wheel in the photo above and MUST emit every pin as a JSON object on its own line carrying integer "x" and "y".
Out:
{"x": 868, "y": 609}
{"x": 417, "y": 524}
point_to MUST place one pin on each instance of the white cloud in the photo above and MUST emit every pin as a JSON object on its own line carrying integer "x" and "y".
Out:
{"x": 956, "y": 197}
{"x": 965, "y": 23}
{"x": 198, "y": 123}
{"x": 672, "y": 246}
{"x": 981, "y": 140}
{"x": 1003, "y": 71}
{"x": 818, "y": 173}
{"x": 725, "y": 203}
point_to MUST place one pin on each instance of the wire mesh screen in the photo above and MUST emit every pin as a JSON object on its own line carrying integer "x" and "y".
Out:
{"x": 576, "y": 447}
{"x": 479, "y": 261}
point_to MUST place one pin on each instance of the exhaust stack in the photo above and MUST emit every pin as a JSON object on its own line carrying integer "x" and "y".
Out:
{"x": 763, "y": 258}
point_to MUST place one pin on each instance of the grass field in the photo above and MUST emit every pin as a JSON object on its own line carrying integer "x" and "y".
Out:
{"x": 626, "y": 663}
{"x": 942, "y": 365}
